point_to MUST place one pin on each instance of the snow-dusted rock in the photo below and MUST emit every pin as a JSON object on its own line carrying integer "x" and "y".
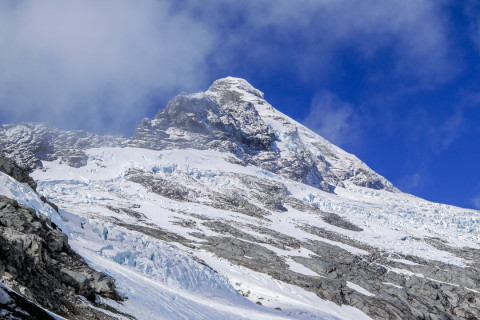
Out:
{"x": 28, "y": 144}
{"x": 9, "y": 167}
{"x": 38, "y": 263}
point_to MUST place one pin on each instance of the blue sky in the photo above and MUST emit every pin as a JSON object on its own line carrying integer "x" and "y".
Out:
{"x": 394, "y": 82}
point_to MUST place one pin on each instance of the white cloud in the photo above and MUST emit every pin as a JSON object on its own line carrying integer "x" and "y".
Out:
{"x": 95, "y": 63}
{"x": 333, "y": 119}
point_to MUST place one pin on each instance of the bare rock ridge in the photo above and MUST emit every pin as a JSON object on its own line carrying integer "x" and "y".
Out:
{"x": 231, "y": 116}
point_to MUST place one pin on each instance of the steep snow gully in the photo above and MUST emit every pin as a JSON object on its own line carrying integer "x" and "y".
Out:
{"x": 221, "y": 207}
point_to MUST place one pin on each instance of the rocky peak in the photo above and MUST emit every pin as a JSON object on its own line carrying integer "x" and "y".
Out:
{"x": 231, "y": 84}
{"x": 222, "y": 118}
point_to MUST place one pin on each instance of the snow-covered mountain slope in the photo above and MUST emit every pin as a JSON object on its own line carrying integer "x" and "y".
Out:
{"x": 221, "y": 207}
{"x": 377, "y": 250}
{"x": 158, "y": 279}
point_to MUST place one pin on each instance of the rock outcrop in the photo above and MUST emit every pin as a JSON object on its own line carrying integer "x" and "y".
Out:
{"x": 37, "y": 262}
{"x": 14, "y": 306}
{"x": 9, "y": 167}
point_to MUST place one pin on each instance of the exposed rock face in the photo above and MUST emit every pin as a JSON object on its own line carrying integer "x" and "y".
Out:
{"x": 191, "y": 191}
{"x": 9, "y": 167}
{"x": 36, "y": 261}
{"x": 439, "y": 294}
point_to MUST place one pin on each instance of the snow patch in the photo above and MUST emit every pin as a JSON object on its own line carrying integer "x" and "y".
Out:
{"x": 359, "y": 289}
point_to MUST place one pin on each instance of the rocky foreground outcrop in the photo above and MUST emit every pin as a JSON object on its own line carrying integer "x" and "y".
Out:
{"x": 37, "y": 262}
{"x": 14, "y": 306}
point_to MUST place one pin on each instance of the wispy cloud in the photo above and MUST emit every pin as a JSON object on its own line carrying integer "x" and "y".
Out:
{"x": 472, "y": 11}
{"x": 436, "y": 135}
{"x": 412, "y": 182}
{"x": 306, "y": 35}
{"x": 476, "y": 202}
{"x": 333, "y": 119}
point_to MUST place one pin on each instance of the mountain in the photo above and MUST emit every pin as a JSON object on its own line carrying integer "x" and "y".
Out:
{"x": 221, "y": 207}
{"x": 231, "y": 116}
